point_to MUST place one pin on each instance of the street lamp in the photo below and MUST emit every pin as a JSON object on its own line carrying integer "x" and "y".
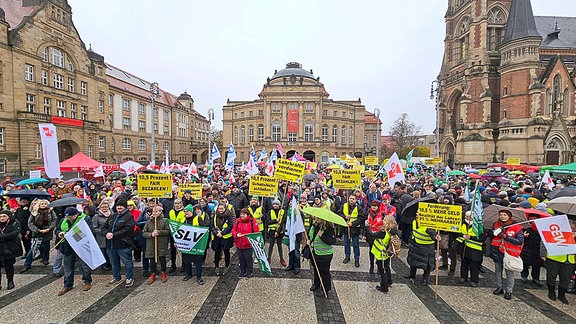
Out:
{"x": 154, "y": 93}
{"x": 378, "y": 133}
{"x": 210, "y": 119}
{"x": 436, "y": 93}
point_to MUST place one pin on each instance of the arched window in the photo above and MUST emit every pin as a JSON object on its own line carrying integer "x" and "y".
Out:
{"x": 260, "y": 133}
{"x": 343, "y": 138}
{"x": 57, "y": 57}
{"x": 242, "y": 134}
{"x": 143, "y": 160}
{"x": 251, "y": 133}
{"x": 460, "y": 45}
{"x": 308, "y": 131}
{"x": 166, "y": 146}
{"x": 566, "y": 103}
{"x": 324, "y": 133}
{"x": 335, "y": 134}
{"x": 276, "y": 130}
{"x": 495, "y": 30}
{"x": 556, "y": 92}
{"x": 235, "y": 134}
{"x": 126, "y": 144}
{"x": 351, "y": 135}
{"x": 141, "y": 144}
{"x": 548, "y": 107}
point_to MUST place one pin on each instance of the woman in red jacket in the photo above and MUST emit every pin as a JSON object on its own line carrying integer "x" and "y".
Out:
{"x": 246, "y": 224}
{"x": 373, "y": 225}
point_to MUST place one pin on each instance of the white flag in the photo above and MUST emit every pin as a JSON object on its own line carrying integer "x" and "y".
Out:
{"x": 547, "y": 180}
{"x": 230, "y": 158}
{"x": 393, "y": 170}
{"x": 99, "y": 172}
{"x": 556, "y": 235}
{"x": 215, "y": 154}
{"x": 193, "y": 171}
{"x": 82, "y": 241}
{"x": 263, "y": 155}
{"x": 294, "y": 224}
{"x": 251, "y": 167}
{"x": 130, "y": 167}
{"x": 50, "y": 150}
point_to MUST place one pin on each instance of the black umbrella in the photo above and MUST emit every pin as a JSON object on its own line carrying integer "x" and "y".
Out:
{"x": 491, "y": 174}
{"x": 564, "y": 192}
{"x": 28, "y": 193}
{"x": 68, "y": 201}
{"x": 310, "y": 177}
{"x": 409, "y": 211}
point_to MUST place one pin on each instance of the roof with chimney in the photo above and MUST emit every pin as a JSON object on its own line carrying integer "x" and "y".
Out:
{"x": 557, "y": 32}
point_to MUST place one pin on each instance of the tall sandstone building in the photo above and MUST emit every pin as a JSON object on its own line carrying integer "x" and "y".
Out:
{"x": 47, "y": 75}
{"x": 507, "y": 84}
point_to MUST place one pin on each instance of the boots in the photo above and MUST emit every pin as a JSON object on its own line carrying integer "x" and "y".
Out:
{"x": 552, "y": 293}
{"x": 10, "y": 282}
{"x": 152, "y": 278}
{"x": 164, "y": 278}
{"x": 371, "y": 269}
{"x": 561, "y": 295}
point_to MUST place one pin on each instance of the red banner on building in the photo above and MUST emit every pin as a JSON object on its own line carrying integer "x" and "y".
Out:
{"x": 293, "y": 121}
{"x": 67, "y": 121}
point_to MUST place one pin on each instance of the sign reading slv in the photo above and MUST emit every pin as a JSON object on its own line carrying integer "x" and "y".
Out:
{"x": 346, "y": 179}
{"x": 155, "y": 185}
{"x": 289, "y": 170}
{"x": 440, "y": 217}
{"x": 263, "y": 186}
{"x": 196, "y": 189}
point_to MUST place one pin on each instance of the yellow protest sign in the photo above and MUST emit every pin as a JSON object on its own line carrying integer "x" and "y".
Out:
{"x": 343, "y": 158}
{"x": 370, "y": 173}
{"x": 359, "y": 167}
{"x": 371, "y": 160}
{"x": 513, "y": 161}
{"x": 313, "y": 165}
{"x": 351, "y": 161}
{"x": 437, "y": 160}
{"x": 429, "y": 162}
{"x": 346, "y": 179}
{"x": 263, "y": 186}
{"x": 440, "y": 217}
{"x": 289, "y": 170}
{"x": 154, "y": 185}
{"x": 196, "y": 189}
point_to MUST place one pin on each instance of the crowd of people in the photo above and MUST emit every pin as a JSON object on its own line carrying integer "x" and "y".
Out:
{"x": 129, "y": 228}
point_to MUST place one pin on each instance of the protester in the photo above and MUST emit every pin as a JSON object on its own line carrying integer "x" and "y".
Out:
{"x": 274, "y": 220}
{"x": 421, "y": 254}
{"x": 531, "y": 253}
{"x": 41, "y": 224}
{"x": 156, "y": 231}
{"x": 10, "y": 246}
{"x": 98, "y": 222}
{"x": 561, "y": 267}
{"x": 321, "y": 240}
{"x": 221, "y": 228}
{"x": 176, "y": 215}
{"x": 246, "y": 224}
{"x": 119, "y": 235}
{"x": 379, "y": 250}
{"x": 471, "y": 253}
{"x": 373, "y": 225}
{"x": 354, "y": 216}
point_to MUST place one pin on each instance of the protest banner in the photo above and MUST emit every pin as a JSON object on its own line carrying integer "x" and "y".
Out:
{"x": 196, "y": 189}
{"x": 437, "y": 160}
{"x": 154, "y": 185}
{"x": 370, "y": 173}
{"x": 371, "y": 160}
{"x": 263, "y": 186}
{"x": 257, "y": 242}
{"x": 556, "y": 235}
{"x": 440, "y": 217}
{"x": 189, "y": 239}
{"x": 513, "y": 161}
{"x": 289, "y": 170}
{"x": 346, "y": 179}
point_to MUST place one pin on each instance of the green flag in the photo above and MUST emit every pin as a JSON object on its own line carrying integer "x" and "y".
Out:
{"x": 409, "y": 156}
{"x": 477, "y": 213}
{"x": 257, "y": 242}
{"x": 189, "y": 239}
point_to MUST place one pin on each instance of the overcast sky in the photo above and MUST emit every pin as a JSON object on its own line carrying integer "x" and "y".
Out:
{"x": 384, "y": 52}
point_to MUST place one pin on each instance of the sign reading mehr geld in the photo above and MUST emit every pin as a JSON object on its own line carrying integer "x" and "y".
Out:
{"x": 440, "y": 217}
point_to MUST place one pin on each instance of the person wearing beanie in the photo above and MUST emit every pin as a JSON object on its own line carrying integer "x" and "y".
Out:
{"x": 119, "y": 230}
{"x": 10, "y": 246}
{"x": 274, "y": 219}
{"x": 386, "y": 208}
{"x": 71, "y": 217}
{"x": 525, "y": 204}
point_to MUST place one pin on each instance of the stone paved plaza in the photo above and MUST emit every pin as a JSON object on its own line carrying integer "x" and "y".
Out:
{"x": 281, "y": 298}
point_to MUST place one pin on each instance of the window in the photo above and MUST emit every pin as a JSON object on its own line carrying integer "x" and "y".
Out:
{"x": 250, "y": 113}
{"x": 141, "y": 144}
{"x": 2, "y": 166}
{"x": 1, "y": 135}
{"x": 143, "y": 160}
{"x": 155, "y": 112}
{"x": 496, "y": 21}
{"x": 242, "y": 134}
{"x": 556, "y": 95}
{"x": 309, "y": 132}
{"x": 90, "y": 151}
{"x": 309, "y": 108}
{"x": 101, "y": 106}
{"x": 47, "y": 104}
{"x": 276, "y": 130}
{"x": 166, "y": 146}
{"x": 44, "y": 54}
{"x": 156, "y": 127}
{"x": 141, "y": 108}
{"x": 30, "y": 102}
{"x": 126, "y": 122}
{"x": 324, "y": 113}
{"x": 351, "y": 135}
{"x": 61, "y": 108}
{"x": 44, "y": 77}
{"x": 166, "y": 129}
{"x": 292, "y": 137}
{"x": 335, "y": 113}
{"x": 292, "y": 106}
{"x": 343, "y": 138}
{"x": 324, "y": 133}
{"x": 38, "y": 151}
{"x": 235, "y": 134}
{"x": 374, "y": 137}
{"x": 73, "y": 111}
{"x": 343, "y": 114}
{"x": 29, "y": 72}
{"x": 276, "y": 107}
{"x": 242, "y": 115}
{"x": 99, "y": 70}
{"x": 166, "y": 115}
{"x": 110, "y": 100}
{"x": 84, "y": 110}
{"x": 260, "y": 132}
{"x": 141, "y": 125}
{"x": 126, "y": 104}
{"x": 251, "y": 133}
{"x": 58, "y": 81}
{"x": 70, "y": 84}
{"x": 260, "y": 113}
{"x": 56, "y": 57}
{"x": 351, "y": 115}
{"x": 126, "y": 144}
{"x": 83, "y": 88}
{"x": 335, "y": 134}
{"x": 460, "y": 46}
{"x": 101, "y": 142}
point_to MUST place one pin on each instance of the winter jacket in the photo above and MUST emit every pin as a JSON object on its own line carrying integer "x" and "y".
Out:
{"x": 244, "y": 226}
{"x": 122, "y": 226}
{"x": 64, "y": 247}
{"x": 238, "y": 200}
{"x": 163, "y": 229}
{"x": 22, "y": 214}
{"x": 98, "y": 228}
{"x": 49, "y": 224}
{"x": 10, "y": 245}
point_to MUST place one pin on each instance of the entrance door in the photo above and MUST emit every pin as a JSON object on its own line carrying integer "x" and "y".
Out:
{"x": 64, "y": 150}
{"x": 552, "y": 157}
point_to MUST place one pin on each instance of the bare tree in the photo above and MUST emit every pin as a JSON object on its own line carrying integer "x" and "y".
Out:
{"x": 216, "y": 137}
{"x": 404, "y": 132}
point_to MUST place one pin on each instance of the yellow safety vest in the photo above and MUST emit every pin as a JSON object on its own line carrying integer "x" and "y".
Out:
{"x": 471, "y": 244}
{"x": 305, "y": 216}
{"x": 562, "y": 258}
{"x": 273, "y": 216}
{"x": 379, "y": 247}
{"x": 225, "y": 226}
{"x": 420, "y": 236}
{"x": 257, "y": 214}
{"x": 353, "y": 215}
{"x": 180, "y": 217}
{"x": 195, "y": 221}
{"x": 320, "y": 248}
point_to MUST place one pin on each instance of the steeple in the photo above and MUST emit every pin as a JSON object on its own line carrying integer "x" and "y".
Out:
{"x": 521, "y": 23}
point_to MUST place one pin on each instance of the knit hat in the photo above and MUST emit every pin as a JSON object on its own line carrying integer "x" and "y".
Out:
{"x": 541, "y": 207}
{"x": 6, "y": 212}
{"x": 189, "y": 208}
{"x": 533, "y": 201}
{"x": 122, "y": 202}
{"x": 375, "y": 203}
{"x": 71, "y": 211}
{"x": 525, "y": 204}
{"x": 276, "y": 202}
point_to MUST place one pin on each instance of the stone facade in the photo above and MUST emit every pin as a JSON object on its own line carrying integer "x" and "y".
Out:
{"x": 507, "y": 84}
{"x": 294, "y": 110}
{"x": 47, "y": 75}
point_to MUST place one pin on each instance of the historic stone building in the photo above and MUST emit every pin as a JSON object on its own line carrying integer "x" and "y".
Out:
{"x": 294, "y": 110}
{"x": 47, "y": 75}
{"x": 507, "y": 84}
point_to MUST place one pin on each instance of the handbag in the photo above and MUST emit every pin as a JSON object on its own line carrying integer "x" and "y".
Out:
{"x": 458, "y": 246}
{"x": 512, "y": 263}
{"x": 445, "y": 239}
{"x": 306, "y": 253}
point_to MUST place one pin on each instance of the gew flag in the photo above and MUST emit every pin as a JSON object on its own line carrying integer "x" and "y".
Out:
{"x": 294, "y": 225}
{"x": 257, "y": 242}
{"x": 477, "y": 213}
{"x": 82, "y": 241}
{"x": 189, "y": 239}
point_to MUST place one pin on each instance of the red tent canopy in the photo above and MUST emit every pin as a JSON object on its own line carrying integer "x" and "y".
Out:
{"x": 519, "y": 167}
{"x": 80, "y": 162}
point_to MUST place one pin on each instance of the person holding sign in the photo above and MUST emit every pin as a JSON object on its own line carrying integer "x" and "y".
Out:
{"x": 471, "y": 251}
{"x": 275, "y": 234}
{"x": 422, "y": 251}
{"x": 246, "y": 224}
{"x": 156, "y": 231}
{"x": 176, "y": 214}
{"x": 354, "y": 216}
{"x": 195, "y": 217}
{"x": 507, "y": 237}
{"x": 221, "y": 228}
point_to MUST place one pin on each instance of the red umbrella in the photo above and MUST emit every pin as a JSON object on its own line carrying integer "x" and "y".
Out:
{"x": 534, "y": 212}
{"x": 474, "y": 176}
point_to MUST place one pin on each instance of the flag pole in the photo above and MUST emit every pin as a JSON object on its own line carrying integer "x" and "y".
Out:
{"x": 316, "y": 266}
{"x": 56, "y": 245}
{"x": 155, "y": 239}
{"x": 437, "y": 255}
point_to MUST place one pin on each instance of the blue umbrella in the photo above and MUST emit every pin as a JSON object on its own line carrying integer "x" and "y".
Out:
{"x": 31, "y": 181}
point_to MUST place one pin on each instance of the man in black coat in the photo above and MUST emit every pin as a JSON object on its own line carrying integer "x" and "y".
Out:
{"x": 119, "y": 230}
{"x": 237, "y": 199}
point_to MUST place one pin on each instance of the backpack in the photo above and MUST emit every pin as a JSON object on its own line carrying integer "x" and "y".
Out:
{"x": 394, "y": 245}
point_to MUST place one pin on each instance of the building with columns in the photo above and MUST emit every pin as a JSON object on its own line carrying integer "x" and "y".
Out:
{"x": 48, "y": 75}
{"x": 507, "y": 84}
{"x": 294, "y": 109}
